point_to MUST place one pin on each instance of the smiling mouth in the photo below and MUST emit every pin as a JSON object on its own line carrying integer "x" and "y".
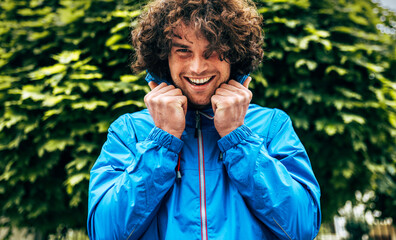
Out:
{"x": 199, "y": 81}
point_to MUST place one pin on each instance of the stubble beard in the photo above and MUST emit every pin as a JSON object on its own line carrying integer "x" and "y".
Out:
{"x": 192, "y": 105}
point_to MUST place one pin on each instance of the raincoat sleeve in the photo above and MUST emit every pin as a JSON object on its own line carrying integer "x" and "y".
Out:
{"x": 129, "y": 180}
{"x": 274, "y": 175}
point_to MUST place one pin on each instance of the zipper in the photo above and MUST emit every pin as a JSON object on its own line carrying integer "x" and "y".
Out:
{"x": 281, "y": 228}
{"x": 202, "y": 189}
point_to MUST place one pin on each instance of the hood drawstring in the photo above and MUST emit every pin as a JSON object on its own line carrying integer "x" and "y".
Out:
{"x": 197, "y": 123}
{"x": 206, "y": 115}
{"x": 198, "y": 120}
{"x": 178, "y": 173}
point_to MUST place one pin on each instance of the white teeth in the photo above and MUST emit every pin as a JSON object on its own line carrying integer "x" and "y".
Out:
{"x": 200, "y": 80}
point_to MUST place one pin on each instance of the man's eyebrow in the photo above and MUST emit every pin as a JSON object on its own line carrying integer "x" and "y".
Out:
{"x": 175, "y": 44}
{"x": 177, "y": 36}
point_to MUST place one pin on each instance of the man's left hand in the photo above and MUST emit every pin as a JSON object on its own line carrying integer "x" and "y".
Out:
{"x": 230, "y": 104}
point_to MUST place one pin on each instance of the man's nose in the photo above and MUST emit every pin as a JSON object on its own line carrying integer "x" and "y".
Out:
{"x": 198, "y": 65}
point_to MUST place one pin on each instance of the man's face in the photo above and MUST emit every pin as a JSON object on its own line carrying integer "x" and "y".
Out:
{"x": 196, "y": 76}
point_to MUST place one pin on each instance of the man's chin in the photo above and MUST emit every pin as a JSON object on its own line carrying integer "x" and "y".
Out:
{"x": 198, "y": 106}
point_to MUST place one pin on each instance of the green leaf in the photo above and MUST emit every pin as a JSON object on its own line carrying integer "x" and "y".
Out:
{"x": 309, "y": 97}
{"x": 47, "y": 71}
{"x": 121, "y": 46}
{"x": 102, "y": 126}
{"x": 130, "y": 78}
{"x": 51, "y": 101}
{"x": 311, "y": 65}
{"x": 259, "y": 77}
{"x": 129, "y": 103}
{"x": 78, "y": 163}
{"x": 11, "y": 118}
{"x": 67, "y": 16}
{"x": 86, "y": 147}
{"x": 348, "y": 118}
{"x": 348, "y": 93}
{"x": 320, "y": 33}
{"x": 119, "y": 26}
{"x": 52, "y": 145}
{"x": 5, "y": 85}
{"x": 126, "y": 14}
{"x": 67, "y": 57}
{"x": 105, "y": 86}
{"x": 86, "y": 76}
{"x": 301, "y": 123}
{"x": 35, "y": 36}
{"x": 82, "y": 65}
{"x": 89, "y": 105}
{"x": 338, "y": 70}
{"x": 8, "y": 172}
{"x": 374, "y": 68}
{"x": 76, "y": 179}
{"x": 52, "y": 112}
{"x": 330, "y": 128}
{"x": 305, "y": 41}
{"x": 29, "y": 127}
{"x": 113, "y": 39}
{"x": 288, "y": 22}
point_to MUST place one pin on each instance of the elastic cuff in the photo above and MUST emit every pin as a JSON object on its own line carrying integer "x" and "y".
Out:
{"x": 234, "y": 137}
{"x": 165, "y": 139}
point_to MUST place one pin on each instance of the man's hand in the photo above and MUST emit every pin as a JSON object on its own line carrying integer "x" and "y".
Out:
{"x": 230, "y": 104}
{"x": 168, "y": 107}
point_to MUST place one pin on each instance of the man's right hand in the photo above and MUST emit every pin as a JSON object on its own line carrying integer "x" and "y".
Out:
{"x": 168, "y": 107}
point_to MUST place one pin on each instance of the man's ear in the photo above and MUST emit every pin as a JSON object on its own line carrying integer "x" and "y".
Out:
{"x": 247, "y": 81}
{"x": 152, "y": 85}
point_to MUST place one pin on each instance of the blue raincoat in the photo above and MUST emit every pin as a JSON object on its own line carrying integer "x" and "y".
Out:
{"x": 254, "y": 183}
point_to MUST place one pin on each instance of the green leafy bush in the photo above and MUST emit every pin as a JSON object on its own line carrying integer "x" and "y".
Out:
{"x": 330, "y": 68}
{"x": 64, "y": 77}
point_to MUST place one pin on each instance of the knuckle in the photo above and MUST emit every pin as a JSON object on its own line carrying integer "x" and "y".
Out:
{"x": 241, "y": 99}
{"x": 246, "y": 95}
{"x": 155, "y": 100}
{"x": 165, "y": 100}
{"x": 250, "y": 93}
{"x": 214, "y": 99}
{"x": 148, "y": 99}
{"x": 232, "y": 101}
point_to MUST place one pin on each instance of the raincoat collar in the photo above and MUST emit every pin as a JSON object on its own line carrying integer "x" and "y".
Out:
{"x": 152, "y": 77}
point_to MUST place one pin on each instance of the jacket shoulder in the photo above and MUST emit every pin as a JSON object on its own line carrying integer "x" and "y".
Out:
{"x": 137, "y": 124}
{"x": 265, "y": 121}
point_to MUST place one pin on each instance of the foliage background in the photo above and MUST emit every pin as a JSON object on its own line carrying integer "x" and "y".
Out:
{"x": 65, "y": 76}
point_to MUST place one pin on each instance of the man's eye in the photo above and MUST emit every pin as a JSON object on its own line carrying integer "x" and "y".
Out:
{"x": 182, "y": 50}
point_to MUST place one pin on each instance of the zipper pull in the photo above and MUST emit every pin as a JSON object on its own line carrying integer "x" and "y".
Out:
{"x": 197, "y": 123}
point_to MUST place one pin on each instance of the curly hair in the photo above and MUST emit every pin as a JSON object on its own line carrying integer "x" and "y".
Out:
{"x": 232, "y": 28}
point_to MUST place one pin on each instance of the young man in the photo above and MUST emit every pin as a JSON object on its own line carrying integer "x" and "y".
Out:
{"x": 201, "y": 162}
